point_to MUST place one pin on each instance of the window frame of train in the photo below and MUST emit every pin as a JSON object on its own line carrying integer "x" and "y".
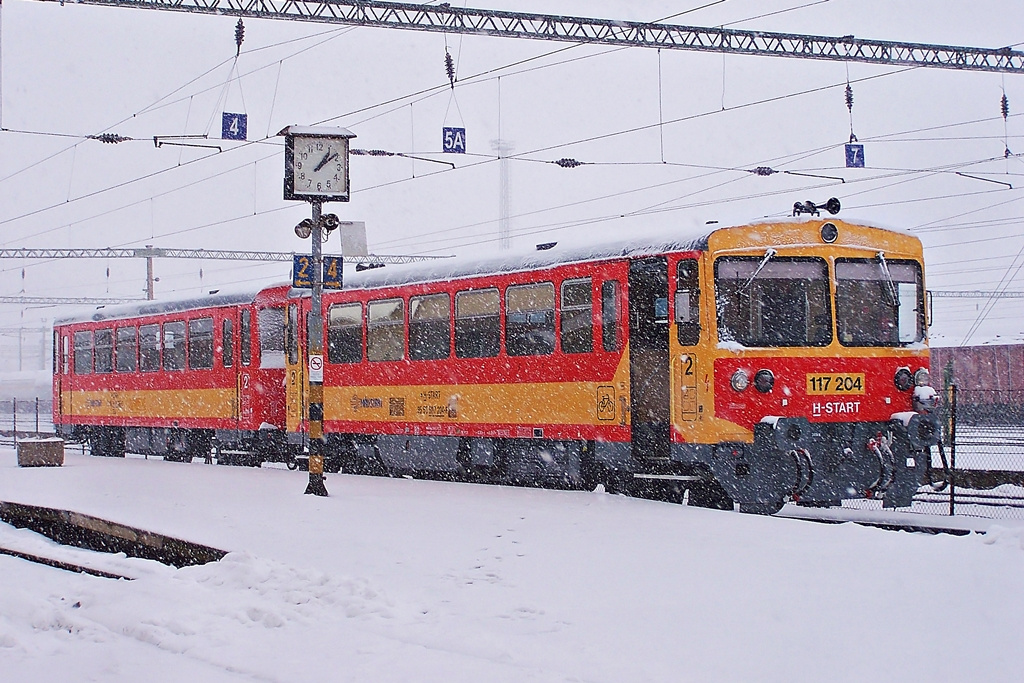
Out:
{"x": 478, "y": 328}
{"x": 430, "y": 326}
{"x": 83, "y": 352}
{"x": 576, "y": 315}
{"x": 752, "y": 275}
{"x": 126, "y": 349}
{"x": 909, "y": 289}
{"x": 385, "y": 331}
{"x": 174, "y": 345}
{"x": 687, "y": 302}
{"x": 150, "y": 347}
{"x": 200, "y": 343}
{"x": 103, "y": 351}
{"x": 345, "y": 333}
{"x": 270, "y": 322}
{"x": 227, "y": 341}
{"x": 530, "y": 323}
{"x": 611, "y": 307}
{"x": 245, "y": 337}
{"x": 291, "y": 332}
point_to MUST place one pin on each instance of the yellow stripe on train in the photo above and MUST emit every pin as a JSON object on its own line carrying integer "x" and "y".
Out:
{"x": 151, "y": 403}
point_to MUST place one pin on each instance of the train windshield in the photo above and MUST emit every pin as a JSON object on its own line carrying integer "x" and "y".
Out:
{"x": 773, "y": 301}
{"x": 879, "y": 302}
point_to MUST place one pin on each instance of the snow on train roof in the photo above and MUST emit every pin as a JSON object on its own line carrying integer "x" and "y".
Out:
{"x": 231, "y": 298}
{"x": 693, "y": 238}
{"x": 560, "y": 253}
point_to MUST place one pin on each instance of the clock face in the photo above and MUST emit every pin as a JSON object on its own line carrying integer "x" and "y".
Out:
{"x": 319, "y": 167}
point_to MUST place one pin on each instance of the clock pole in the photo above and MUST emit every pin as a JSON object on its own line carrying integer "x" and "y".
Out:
{"x": 315, "y": 338}
{"x": 315, "y": 171}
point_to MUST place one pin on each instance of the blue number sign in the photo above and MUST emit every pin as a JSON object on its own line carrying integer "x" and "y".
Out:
{"x": 854, "y": 156}
{"x": 302, "y": 272}
{"x": 332, "y": 272}
{"x": 233, "y": 126}
{"x": 454, "y": 141}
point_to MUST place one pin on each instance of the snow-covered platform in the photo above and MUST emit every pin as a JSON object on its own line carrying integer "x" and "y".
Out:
{"x": 398, "y": 580}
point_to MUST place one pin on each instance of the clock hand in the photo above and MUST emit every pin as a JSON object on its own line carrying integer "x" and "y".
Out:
{"x": 326, "y": 160}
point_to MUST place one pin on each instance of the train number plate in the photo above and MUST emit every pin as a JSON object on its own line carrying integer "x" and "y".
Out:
{"x": 822, "y": 383}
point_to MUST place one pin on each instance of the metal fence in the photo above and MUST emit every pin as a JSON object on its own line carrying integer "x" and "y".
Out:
{"x": 25, "y": 417}
{"x": 980, "y": 470}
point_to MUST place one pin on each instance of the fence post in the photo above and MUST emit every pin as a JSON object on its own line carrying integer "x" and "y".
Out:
{"x": 14, "y": 414}
{"x": 37, "y": 416}
{"x": 952, "y": 449}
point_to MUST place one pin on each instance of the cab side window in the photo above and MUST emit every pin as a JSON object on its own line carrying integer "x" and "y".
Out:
{"x": 687, "y": 303}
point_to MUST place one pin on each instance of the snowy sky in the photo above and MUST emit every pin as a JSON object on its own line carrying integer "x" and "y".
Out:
{"x": 70, "y": 71}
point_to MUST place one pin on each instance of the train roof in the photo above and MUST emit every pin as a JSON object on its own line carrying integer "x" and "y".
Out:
{"x": 232, "y": 298}
{"x": 542, "y": 256}
{"x": 693, "y": 239}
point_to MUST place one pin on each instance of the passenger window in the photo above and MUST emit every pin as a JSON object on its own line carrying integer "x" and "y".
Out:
{"x": 127, "y": 349}
{"x": 174, "y": 345}
{"x": 577, "y": 323}
{"x": 477, "y": 323}
{"x": 83, "y": 352}
{"x": 56, "y": 352}
{"x": 149, "y": 348}
{"x": 271, "y": 324}
{"x": 200, "y": 344}
{"x": 430, "y": 327}
{"x": 245, "y": 330}
{"x": 610, "y": 315}
{"x": 345, "y": 333}
{"x": 227, "y": 341}
{"x": 385, "y": 330}
{"x": 687, "y": 303}
{"x": 530, "y": 319}
{"x": 104, "y": 343}
{"x": 65, "y": 354}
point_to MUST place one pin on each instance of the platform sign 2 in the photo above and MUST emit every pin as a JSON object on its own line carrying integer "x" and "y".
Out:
{"x": 302, "y": 272}
{"x": 233, "y": 126}
{"x": 854, "y": 156}
{"x": 454, "y": 141}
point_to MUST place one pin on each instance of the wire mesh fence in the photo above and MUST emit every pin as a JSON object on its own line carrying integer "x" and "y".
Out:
{"x": 25, "y": 417}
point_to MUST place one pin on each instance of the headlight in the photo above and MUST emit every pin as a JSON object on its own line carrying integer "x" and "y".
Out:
{"x": 740, "y": 380}
{"x": 903, "y": 379}
{"x": 764, "y": 380}
{"x": 922, "y": 378}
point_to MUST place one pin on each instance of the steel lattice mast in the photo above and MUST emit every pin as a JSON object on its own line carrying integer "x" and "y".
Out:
{"x": 448, "y": 19}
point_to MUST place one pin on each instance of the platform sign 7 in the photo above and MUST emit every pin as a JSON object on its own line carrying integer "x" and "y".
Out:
{"x": 233, "y": 126}
{"x": 454, "y": 141}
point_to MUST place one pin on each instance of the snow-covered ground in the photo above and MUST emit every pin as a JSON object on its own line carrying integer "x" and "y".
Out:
{"x": 401, "y": 580}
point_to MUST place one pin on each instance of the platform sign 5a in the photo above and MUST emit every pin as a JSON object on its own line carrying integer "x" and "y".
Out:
{"x": 302, "y": 272}
{"x": 233, "y": 126}
{"x": 454, "y": 141}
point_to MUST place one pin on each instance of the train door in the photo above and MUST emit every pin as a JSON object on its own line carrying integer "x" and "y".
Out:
{"x": 296, "y": 389}
{"x": 648, "y": 357}
{"x": 245, "y": 379}
{"x": 687, "y": 323}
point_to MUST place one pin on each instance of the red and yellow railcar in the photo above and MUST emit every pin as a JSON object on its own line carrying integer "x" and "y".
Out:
{"x": 752, "y": 365}
{"x": 176, "y": 378}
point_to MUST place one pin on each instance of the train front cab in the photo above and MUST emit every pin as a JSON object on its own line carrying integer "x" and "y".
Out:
{"x": 795, "y": 364}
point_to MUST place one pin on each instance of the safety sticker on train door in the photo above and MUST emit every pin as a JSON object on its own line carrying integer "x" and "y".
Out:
{"x": 316, "y": 369}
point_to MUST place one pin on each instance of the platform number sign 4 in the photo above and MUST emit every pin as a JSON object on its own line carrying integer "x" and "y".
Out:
{"x": 854, "y": 156}
{"x": 454, "y": 141}
{"x": 234, "y": 126}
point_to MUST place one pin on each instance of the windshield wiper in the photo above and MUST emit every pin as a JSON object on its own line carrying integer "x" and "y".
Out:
{"x": 768, "y": 256}
{"x": 893, "y": 294}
